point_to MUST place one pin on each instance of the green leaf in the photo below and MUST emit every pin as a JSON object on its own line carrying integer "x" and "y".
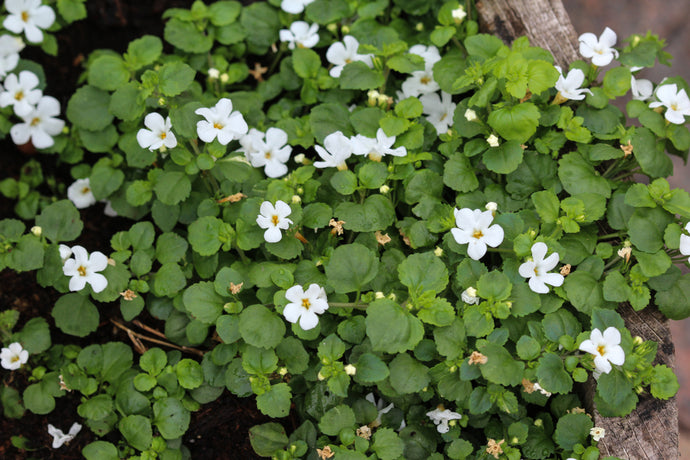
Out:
{"x": 170, "y": 417}
{"x": 37, "y": 400}
{"x": 107, "y": 72}
{"x": 224, "y": 12}
{"x": 584, "y": 291}
{"x": 329, "y": 118}
{"x": 172, "y": 187}
{"x": 344, "y": 182}
{"x": 376, "y": 213}
{"x": 261, "y": 327}
{"x": 72, "y": 10}
{"x": 267, "y": 438}
{"x": 675, "y": 302}
{"x": 664, "y": 383}
{"x": 517, "y": 123}
{"x": 204, "y": 235}
{"x": 652, "y": 265}
{"x": 169, "y": 280}
{"x": 505, "y": 158}
{"x": 552, "y": 374}
{"x": 202, "y": 302}
{"x": 88, "y": 108}
{"x": 560, "y": 323}
{"x": 387, "y": 444}
{"x": 578, "y": 176}
{"x": 189, "y": 374}
{"x": 392, "y": 329}
{"x": 97, "y": 408}
{"x": 650, "y": 154}
{"x": 262, "y": 22}
{"x": 459, "y": 174}
{"x": 500, "y": 366}
{"x": 407, "y": 375}
{"x": 483, "y": 46}
{"x": 153, "y": 361}
{"x": 615, "y": 288}
{"x": 187, "y": 36}
{"x": 370, "y": 369}
{"x": 336, "y": 419}
{"x": 351, "y": 267}
{"x": 306, "y": 62}
{"x": 60, "y": 221}
{"x": 175, "y": 77}
{"x": 647, "y": 227}
{"x": 136, "y": 429}
{"x": 572, "y": 429}
{"x": 423, "y": 272}
{"x": 100, "y": 450}
{"x": 541, "y": 76}
{"x": 617, "y": 82}
{"x": 327, "y": 11}
{"x": 358, "y": 75}
{"x": 547, "y": 205}
{"x": 124, "y": 103}
{"x": 494, "y": 286}
{"x": 75, "y": 315}
{"x": 143, "y": 51}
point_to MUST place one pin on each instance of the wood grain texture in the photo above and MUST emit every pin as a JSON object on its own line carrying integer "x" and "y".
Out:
{"x": 651, "y": 431}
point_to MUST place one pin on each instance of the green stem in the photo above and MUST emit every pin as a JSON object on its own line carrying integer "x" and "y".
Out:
{"x": 612, "y": 263}
{"x": 611, "y": 236}
{"x": 359, "y": 306}
{"x": 243, "y": 256}
{"x": 507, "y": 251}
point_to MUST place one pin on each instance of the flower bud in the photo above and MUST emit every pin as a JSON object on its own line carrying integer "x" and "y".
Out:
{"x": 470, "y": 115}
{"x": 161, "y": 101}
{"x": 320, "y": 376}
{"x": 379, "y": 295}
{"x": 213, "y": 73}
{"x": 492, "y": 141}
{"x": 282, "y": 371}
{"x": 491, "y": 206}
{"x": 299, "y": 158}
{"x": 36, "y": 230}
{"x": 384, "y": 189}
{"x": 345, "y": 29}
{"x": 458, "y": 14}
{"x": 438, "y": 252}
{"x": 296, "y": 199}
{"x": 350, "y": 369}
{"x": 224, "y": 77}
{"x": 637, "y": 340}
{"x": 332, "y": 27}
{"x": 419, "y": 27}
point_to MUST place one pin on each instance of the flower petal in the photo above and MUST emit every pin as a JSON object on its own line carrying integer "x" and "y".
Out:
{"x": 98, "y": 282}
{"x": 308, "y": 320}
{"x": 612, "y": 336}
{"x": 292, "y": 312}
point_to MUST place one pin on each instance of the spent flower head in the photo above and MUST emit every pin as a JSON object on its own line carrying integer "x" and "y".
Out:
{"x": 60, "y": 438}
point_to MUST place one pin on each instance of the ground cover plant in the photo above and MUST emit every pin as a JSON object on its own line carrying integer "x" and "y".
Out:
{"x": 402, "y": 234}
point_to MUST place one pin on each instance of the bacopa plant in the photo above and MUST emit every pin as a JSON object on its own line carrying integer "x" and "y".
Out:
{"x": 408, "y": 235}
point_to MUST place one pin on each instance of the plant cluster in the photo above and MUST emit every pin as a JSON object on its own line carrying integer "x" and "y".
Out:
{"x": 409, "y": 234}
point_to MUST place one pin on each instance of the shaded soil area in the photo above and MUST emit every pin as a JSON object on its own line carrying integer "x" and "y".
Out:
{"x": 219, "y": 430}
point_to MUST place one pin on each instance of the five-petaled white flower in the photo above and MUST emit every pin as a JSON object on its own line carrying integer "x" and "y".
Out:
{"x": 294, "y": 6}
{"x": 338, "y": 148}
{"x": 537, "y": 269}
{"x": 158, "y": 134}
{"x": 40, "y": 125}
{"x": 430, "y": 54}
{"x": 605, "y": 348}
{"x": 12, "y": 357}
{"x": 474, "y": 229}
{"x": 28, "y": 16}
{"x": 272, "y": 152}
{"x": 342, "y": 53}
{"x": 685, "y": 242}
{"x": 300, "y": 34}
{"x": 676, "y": 102}
{"x": 600, "y": 50}
{"x": 83, "y": 269}
{"x": 441, "y": 417}
{"x": 469, "y": 296}
{"x": 439, "y": 110}
{"x": 60, "y": 438}
{"x": 376, "y": 148}
{"x": 597, "y": 433}
{"x": 274, "y": 219}
{"x": 221, "y": 122}
{"x": 569, "y": 86}
{"x": 9, "y": 53}
{"x": 80, "y": 193}
{"x": 642, "y": 89}
{"x": 304, "y": 305}
{"x": 21, "y": 92}
{"x": 420, "y": 82}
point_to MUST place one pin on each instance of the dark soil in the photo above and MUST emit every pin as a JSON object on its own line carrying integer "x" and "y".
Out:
{"x": 219, "y": 430}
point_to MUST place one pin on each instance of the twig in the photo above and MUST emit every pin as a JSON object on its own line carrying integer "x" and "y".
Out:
{"x": 131, "y": 334}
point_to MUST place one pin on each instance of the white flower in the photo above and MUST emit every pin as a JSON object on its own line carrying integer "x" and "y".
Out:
{"x": 381, "y": 409}
{"x": 569, "y": 86}
{"x": 28, "y": 16}
{"x": 538, "y": 387}
{"x": 221, "y": 122}
{"x": 9, "y": 53}
{"x": 685, "y": 242}
{"x": 21, "y": 93}
{"x": 641, "y": 88}
{"x": 300, "y": 34}
{"x": 305, "y": 305}
{"x": 60, "y": 438}
{"x": 597, "y": 433}
{"x": 429, "y": 53}
{"x": 65, "y": 252}
{"x": 342, "y": 53}
{"x": 600, "y": 50}
{"x": 338, "y": 148}
{"x": 493, "y": 141}
{"x": 469, "y": 296}
{"x": 39, "y": 125}
{"x": 470, "y": 115}
{"x": 420, "y": 82}
{"x": 458, "y": 14}
{"x": 273, "y": 219}
{"x": 250, "y": 142}
{"x": 271, "y": 153}
{"x": 13, "y": 357}
{"x": 474, "y": 228}
{"x": 441, "y": 417}
{"x": 439, "y": 110}
{"x": 213, "y": 73}
{"x": 83, "y": 269}
{"x": 676, "y": 102}
{"x": 294, "y": 6}
{"x": 80, "y": 193}
{"x": 158, "y": 134}
{"x": 605, "y": 348}
{"x": 376, "y": 148}
{"x": 537, "y": 269}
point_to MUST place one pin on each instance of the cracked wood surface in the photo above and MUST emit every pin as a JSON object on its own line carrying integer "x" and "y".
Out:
{"x": 651, "y": 430}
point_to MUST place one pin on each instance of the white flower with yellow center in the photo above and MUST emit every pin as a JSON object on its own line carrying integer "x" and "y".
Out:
{"x": 80, "y": 193}
{"x": 220, "y": 122}
{"x": 9, "y": 53}
{"x": 605, "y": 348}
{"x": 12, "y": 357}
{"x": 21, "y": 92}
{"x": 60, "y": 438}
{"x": 28, "y": 16}
{"x": 599, "y": 50}
{"x": 40, "y": 125}
{"x": 274, "y": 219}
{"x": 439, "y": 110}
{"x": 304, "y": 305}
{"x": 342, "y": 53}
{"x": 376, "y": 148}
{"x": 83, "y": 269}
{"x": 441, "y": 417}
{"x": 300, "y": 34}
{"x": 158, "y": 134}
{"x": 271, "y": 152}
{"x": 568, "y": 86}
{"x": 536, "y": 270}
{"x": 338, "y": 148}
{"x": 676, "y": 102}
{"x": 474, "y": 229}
{"x": 597, "y": 433}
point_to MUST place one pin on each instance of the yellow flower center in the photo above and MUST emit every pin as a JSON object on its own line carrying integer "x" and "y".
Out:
{"x": 14, "y": 359}
{"x": 275, "y": 219}
{"x": 85, "y": 190}
{"x": 477, "y": 234}
{"x": 163, "y": 135}
{"x": 674, "y": 107}
{"x": 19, "y": 95}
{"x": 25, "y": 16}
{"x": 347, "y": 61}
{"x": 35, "y": 121}
{"x": 601, "y": 349}
{"x": 425, "y": 80}
{"x": 306, "y": 304}
{"x": 217, "y": 125}
{"x": 268, "y": 155}
{"x": 81, "y": 270}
